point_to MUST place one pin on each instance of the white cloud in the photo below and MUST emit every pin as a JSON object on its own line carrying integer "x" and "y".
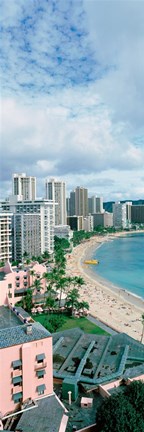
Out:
{"x": 73, "y": 93}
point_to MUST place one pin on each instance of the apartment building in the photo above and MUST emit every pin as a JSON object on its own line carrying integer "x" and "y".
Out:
{"x": 15, "y": 281}
{"x": 27, "y": 235}
{"x": 76, "y": 223}
{"x": 5, "y": 236}
{"x": 56, "y": 191}
{"x": 95, "y": 204}
{"x": 81, "y": 201}
{"x": 25, "y": 359}
{"x": 104, "y": 219}
{"x": 137, "y": 214}
{"x": 39, "y": 219}
{"x": 119, "y": 215}
{"x": 24, "y": 185}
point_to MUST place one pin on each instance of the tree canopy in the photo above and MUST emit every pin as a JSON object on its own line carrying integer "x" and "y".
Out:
{"x": 123, "y": 412}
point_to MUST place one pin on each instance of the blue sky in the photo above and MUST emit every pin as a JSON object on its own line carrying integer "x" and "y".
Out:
{"x": 72, "y": 94}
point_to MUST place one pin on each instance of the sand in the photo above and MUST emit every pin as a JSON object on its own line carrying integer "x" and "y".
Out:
{"x": 112, "y": 305}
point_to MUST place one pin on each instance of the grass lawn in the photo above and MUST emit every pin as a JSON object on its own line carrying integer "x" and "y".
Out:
{"x": 72, "y": 322}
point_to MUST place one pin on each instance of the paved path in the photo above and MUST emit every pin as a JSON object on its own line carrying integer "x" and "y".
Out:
{"x": 102, "y": 325}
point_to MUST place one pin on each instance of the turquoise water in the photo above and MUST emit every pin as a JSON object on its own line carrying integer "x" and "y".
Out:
{"x": 121, "y": 261}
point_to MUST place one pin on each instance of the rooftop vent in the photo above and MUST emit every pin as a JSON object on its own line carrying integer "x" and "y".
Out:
{"x": 29, "y": 329}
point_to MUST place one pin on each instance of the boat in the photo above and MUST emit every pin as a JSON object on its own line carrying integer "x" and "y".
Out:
{"x": 91, "y": 262}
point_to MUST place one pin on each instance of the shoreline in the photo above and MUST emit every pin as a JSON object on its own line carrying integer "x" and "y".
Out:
{"x": 110, "y": 304}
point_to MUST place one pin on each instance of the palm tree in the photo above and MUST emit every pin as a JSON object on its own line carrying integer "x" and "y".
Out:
{"x": 79, "y": 281}
{"x": 142, "y": 327}
{"x": 37, "y": 285}
{"x": 32, "y": 273}
{"x": 72, "y": 299}
{"x": 61, "y": 286}
{"x": 83, "y": 305}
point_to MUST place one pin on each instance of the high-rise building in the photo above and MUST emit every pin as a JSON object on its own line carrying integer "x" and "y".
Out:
{"x": 72, "y": 207}
{"x": 95, "y": 204}
{"x": 81, "y": 201}
{"x": 24, "y": 185}
{"x": 92, "y": 204}
{"x": 119, "y": 215}
{"x": 137, "y": 214}
{"x": 56, "y": 191}
{"x": 27, "y": 235}
{"x": 99, "y": 205}
{"x": 31, "y": 229}
{"x": 76, "y": 223}
{"x": 104, "y": 219}
{"x": 5, "y": 236}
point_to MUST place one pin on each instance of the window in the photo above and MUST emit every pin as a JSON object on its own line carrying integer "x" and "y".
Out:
{"x": 17, "y": 364}
{"x": 17, "y": 397}
{"x": 17, "y": 380}
{"x": 41, "y": 389}
{"x": 9, "y": 285}
{"x": 41, "y": 373}
{"x": 40, "y": 358}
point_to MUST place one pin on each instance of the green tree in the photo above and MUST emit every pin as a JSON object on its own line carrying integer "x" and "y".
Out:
{"x": 120, "y": 413}
{"x": 83, "y": 305}
{"x": 50, "y": 303}
{"x": 135, "y": 394}
{"x": 27, "y": 300}
{"x": 78, "y": 281}
{"x": 46, "y": 255}
{"x": 72, "y": 300}
{"x": 37, "y": 285}
{"x": 32, "y": 273}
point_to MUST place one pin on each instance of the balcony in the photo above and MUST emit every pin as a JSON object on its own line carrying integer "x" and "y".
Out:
{"x": 16, "y": 373}
{"x": 41, "y": 365}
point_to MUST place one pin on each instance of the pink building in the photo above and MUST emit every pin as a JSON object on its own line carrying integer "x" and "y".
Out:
{"x": 15, "y": 281}
{"x": 25, "y": 360}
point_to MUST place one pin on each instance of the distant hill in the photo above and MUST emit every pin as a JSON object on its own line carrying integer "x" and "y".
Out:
{"x": 108, "y": 205}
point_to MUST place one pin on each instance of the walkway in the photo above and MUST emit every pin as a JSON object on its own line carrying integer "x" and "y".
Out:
{"x": 102, "y": 325}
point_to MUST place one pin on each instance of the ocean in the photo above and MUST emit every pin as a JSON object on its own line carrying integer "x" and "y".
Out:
{"x": 121, "y": 261}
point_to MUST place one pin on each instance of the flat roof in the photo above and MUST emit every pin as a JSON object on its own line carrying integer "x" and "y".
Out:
{"x": 92, "y": 359}
{"x": 13, "y": 331}
{"x": 8, "y": 319}
{"x": 46, "y": 417}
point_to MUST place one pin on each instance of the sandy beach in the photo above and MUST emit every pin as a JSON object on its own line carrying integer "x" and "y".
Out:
{"x": 112, "y": 305}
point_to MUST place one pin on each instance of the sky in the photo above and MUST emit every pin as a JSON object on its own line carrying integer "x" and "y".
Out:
{"x": 72, "y": 99}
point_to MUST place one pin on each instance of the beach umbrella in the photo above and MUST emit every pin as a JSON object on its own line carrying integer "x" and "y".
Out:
{"x": 63, "y": 295}
{"x": 39, "y": 309}
{"x": 34, "y": 310}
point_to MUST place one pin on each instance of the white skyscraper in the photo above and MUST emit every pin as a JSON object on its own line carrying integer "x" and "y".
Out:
{"x": 56, "y": 191}
{"x": 81, "y": 201}
{"x": 99, "y": 205}
{"x": 5, "y": 236}
{"x": 119, "y": 215}
{"x": 24, "y": 185}
{"x": 33, "y": 226}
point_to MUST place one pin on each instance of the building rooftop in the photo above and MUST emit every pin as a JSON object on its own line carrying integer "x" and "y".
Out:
{"x": 13, "y": 330}
{"x": 8, "y": 319}
{"x": 91, "y": 359}
{"x": 46, "y": 417}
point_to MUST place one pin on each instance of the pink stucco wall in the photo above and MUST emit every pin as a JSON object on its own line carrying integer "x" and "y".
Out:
{"x": 13, "y": 277}
{"x": 27, "y": 353}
